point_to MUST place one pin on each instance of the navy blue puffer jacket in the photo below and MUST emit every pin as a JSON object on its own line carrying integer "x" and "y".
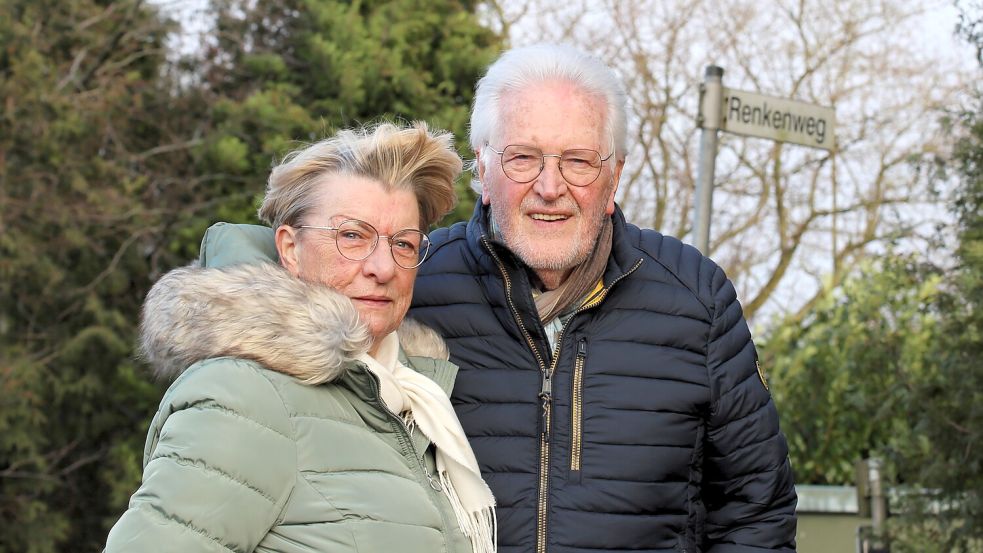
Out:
{"x": 649, "y": 429}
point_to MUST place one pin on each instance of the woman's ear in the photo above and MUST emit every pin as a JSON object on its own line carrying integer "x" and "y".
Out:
{"x": 288, "y": 248}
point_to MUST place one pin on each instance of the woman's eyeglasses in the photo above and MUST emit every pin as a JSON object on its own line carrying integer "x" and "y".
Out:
{"x": 356, "y": 240}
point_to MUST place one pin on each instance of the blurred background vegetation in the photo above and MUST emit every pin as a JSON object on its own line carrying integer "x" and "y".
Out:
{"x": 118, "y": 147}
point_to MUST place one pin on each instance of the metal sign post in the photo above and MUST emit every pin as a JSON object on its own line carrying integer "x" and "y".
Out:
{"x": 711, "y": 94}
{"x": 749, "y": 114}
{"x": 872, "y": 503}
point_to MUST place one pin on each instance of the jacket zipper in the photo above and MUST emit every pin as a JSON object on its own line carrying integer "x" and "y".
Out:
{"x": 397, "y": 421}
{"x": 576, "y": 404}
{"x": 576, "y": 407}
{"x": 546, "y": 392}
{"x": 546, "y": 399}
{"x": 515, "y": 311}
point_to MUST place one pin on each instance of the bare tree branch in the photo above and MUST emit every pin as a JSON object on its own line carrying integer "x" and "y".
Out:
{"x": 775, "y": 215}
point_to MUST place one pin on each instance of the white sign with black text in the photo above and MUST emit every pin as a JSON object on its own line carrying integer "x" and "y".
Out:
{"x": 753, "y": 114}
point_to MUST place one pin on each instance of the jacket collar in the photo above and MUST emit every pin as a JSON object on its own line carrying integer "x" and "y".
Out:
{"x": 254, "y": 311}
{"x": 624, "y": 256}
{"x": 494, "y": 258}
{"x": 248, "y": 306}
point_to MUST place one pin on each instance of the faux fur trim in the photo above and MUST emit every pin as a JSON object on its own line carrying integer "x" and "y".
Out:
{"x": 257, "y": 311}
{"x": 416, "y": 339}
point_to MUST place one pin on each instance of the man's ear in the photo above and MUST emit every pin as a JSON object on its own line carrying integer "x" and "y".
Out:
{"x": 616, "y": 179}
{"x": 288, "y": 248}
{"x": 480, "y": 164}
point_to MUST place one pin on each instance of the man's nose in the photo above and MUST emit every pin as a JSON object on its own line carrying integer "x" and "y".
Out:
{"x": 550, "y": 184}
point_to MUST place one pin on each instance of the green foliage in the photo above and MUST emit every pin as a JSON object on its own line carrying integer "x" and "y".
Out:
{"x": 970, "y": 25}
{"x": 945, "y": 512}
{"x": 946, "y": 461}
{"x": 83, "y": 102}
{"x": 890, "y": 366}
{"x": 842, "y": 379}
{"x": 112, "y": 163}
{"x": 298, "y": 70}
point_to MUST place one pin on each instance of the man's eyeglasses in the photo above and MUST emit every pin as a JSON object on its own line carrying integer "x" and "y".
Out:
{"x": 356, "y": 240}
{"x": 524, "y": 163}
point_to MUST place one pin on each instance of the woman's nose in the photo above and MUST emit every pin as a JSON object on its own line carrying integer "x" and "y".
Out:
{"x": 380, "y": 263}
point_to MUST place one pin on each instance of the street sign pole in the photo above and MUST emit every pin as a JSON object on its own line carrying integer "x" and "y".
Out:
{"x": 711, "y": 98}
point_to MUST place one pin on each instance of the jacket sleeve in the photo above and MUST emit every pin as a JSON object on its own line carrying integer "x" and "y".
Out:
{"x": 218, "y": 467}
{"x": 748, "y": 489}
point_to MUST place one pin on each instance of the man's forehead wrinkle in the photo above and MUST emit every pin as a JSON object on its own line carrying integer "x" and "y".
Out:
{"x": 528, "y": 104}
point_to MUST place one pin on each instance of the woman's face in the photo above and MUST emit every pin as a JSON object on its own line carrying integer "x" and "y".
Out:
{"x": 380, "y": 289}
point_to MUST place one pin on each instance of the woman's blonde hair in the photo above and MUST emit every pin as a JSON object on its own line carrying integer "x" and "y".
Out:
{"x": 410, "y": 158}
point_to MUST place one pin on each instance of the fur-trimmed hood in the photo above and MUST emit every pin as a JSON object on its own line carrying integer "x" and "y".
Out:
{"x": 259, "y": 311}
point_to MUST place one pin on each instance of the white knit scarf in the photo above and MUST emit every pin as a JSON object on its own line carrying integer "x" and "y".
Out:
{"x": 421, "y": 402}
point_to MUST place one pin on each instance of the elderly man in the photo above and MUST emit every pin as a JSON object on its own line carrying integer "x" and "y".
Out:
{"x": 608, "y": 382}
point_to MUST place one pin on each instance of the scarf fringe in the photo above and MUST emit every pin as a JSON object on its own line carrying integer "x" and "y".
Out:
{"x": 409, "y": 421}
{"x": 481, "y": 527}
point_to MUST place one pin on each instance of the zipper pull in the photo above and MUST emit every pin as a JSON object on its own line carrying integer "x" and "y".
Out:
{"x": 434, "y": 482}
{"x": 546, "y": 395}
{"x": 582, "y": 348}
{"x": 546, "y": 430}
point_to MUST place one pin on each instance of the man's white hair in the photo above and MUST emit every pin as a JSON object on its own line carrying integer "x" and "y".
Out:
{"x": 521, "y": 67}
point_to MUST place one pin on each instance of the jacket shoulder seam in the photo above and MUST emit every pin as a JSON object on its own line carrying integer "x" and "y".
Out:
{"x": 656, "y": 254}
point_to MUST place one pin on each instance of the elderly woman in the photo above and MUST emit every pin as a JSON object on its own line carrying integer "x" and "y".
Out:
{"x": 300, "y": 422}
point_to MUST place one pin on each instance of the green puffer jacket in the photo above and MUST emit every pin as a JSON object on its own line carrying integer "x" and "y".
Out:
{"x": 243, "y": 456}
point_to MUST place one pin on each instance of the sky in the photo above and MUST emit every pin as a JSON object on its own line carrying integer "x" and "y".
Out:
{"x": 933, "y": 36}
{"x": 936, "y": 34}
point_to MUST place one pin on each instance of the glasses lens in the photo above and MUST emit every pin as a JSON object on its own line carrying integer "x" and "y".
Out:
{"x": 580, "y": 167}
{"x": 409, "y": 247}
{"x": 522, "y": 163}
{"x": 356, "y": 239}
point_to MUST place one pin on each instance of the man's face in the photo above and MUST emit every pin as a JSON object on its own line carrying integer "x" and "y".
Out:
{"x": 551, "y": 225}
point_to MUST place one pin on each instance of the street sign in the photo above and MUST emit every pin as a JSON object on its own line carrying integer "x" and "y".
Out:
{"x": 753, "y": 114}
{"x": 749, "y": 114}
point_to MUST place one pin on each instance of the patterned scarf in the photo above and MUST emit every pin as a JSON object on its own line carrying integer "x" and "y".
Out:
{"x": 584, "y": 278}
